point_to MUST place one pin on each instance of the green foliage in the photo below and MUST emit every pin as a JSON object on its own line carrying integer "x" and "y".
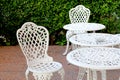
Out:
{"x": 107, "y": 14}
{"x": 53, "y": 14}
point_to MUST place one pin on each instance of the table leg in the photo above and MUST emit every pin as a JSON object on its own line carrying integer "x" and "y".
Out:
{"x": 89, "y": 74}
{"x": 81, "y": 73}
{"x": 103, "y": 74}
{"x": 94, "y": 75}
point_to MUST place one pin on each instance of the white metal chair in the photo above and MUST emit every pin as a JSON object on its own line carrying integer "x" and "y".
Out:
{"x": 34, "y": 41}
{"x": 79, "y": 14}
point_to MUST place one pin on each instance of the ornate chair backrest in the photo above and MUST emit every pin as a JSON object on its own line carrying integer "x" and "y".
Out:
{"x": 34, "y": 41}
{"x": 79, "y": 14}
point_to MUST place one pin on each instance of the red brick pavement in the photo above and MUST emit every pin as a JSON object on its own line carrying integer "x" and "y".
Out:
{"x": 13, "y": 64}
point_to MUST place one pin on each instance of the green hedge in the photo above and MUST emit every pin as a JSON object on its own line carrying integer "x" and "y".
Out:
{"x": 53, "y": 14}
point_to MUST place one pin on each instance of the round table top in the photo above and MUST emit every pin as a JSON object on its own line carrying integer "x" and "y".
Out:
{"x": 98, "y": 58}
{"x": 84, "y": 26}
{"x": 95, "y": 39}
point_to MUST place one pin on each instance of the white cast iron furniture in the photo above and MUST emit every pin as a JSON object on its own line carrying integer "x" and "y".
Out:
{"x": 95, "y": 59}
{"x": 77, "y": 27}
{"x": 79, "y": 14}
{"x": 84, "y": 27}
{"x": 34, "y": 41}
{"x": 81, "y": 27}
{"x": 95, "y": 40}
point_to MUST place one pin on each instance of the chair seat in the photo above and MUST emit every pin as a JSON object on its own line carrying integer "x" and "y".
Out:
{"x": 47, "y": 67}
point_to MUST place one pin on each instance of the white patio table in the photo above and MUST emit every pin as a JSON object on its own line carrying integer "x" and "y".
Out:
{"x": 95, "y": 59}
{"x": 76, "y": 28}
{"x": 84, "y": 26}
{"x": 95, "y": 39}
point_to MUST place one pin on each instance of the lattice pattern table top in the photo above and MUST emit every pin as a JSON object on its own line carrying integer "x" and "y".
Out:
{"x": 95, "y": 39}
{"x": 84, "y": 26}
{"x": 95, "y": 58}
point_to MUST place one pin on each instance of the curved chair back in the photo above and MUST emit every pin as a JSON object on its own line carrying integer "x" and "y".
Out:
{"x": 79, "y": 14}
{"x": 34, "y": 41}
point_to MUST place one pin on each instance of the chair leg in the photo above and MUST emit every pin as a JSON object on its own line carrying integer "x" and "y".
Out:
{"x": 62, "y": 73}
{"x": 26, "y": 74}
{"x": 67, "y": 46}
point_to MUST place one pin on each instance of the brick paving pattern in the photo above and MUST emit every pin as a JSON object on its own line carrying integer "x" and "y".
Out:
{"x": 13, "y": 64}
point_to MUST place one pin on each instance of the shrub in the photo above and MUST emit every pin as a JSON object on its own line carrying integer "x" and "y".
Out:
{"x": 54, "y": 15}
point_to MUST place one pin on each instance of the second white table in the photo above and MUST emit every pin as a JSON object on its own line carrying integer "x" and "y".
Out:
{"x": 95, "y": 39}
